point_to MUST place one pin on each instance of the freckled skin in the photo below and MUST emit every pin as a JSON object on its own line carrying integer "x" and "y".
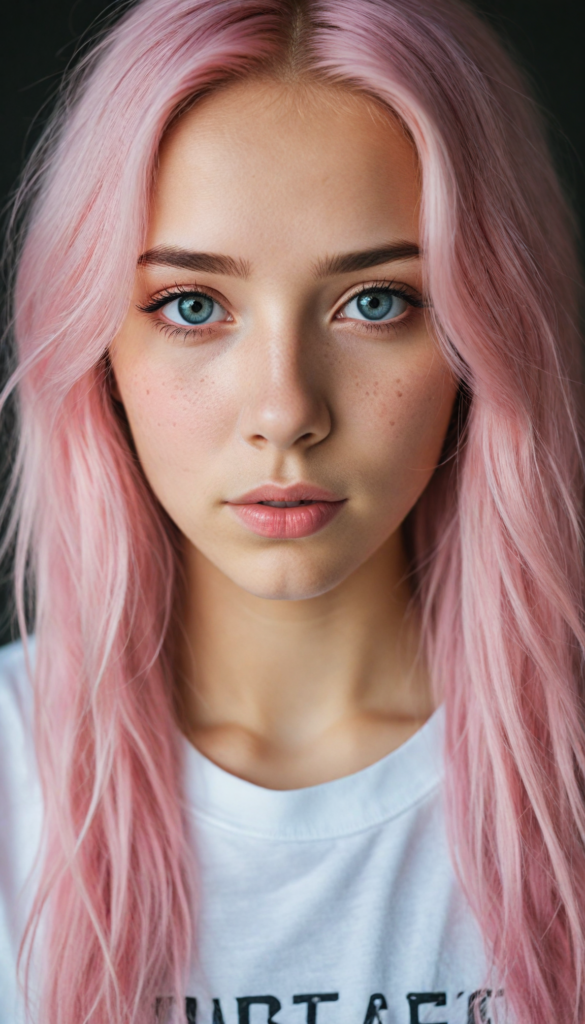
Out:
{"x": 284, "y": 391}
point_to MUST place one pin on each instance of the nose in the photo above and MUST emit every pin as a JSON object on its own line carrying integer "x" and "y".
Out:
{"x": 284, "y": 402}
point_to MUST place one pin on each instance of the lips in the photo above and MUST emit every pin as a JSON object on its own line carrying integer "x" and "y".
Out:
{"x": 286, "y": 512}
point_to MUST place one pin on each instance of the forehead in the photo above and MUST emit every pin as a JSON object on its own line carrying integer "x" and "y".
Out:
{"x": 261, "y": 167}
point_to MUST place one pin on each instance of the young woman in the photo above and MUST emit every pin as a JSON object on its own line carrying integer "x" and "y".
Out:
{"x": 298, "y": 501}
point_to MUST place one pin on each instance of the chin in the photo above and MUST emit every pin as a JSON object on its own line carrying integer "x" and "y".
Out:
{"x": 289, "y": 582}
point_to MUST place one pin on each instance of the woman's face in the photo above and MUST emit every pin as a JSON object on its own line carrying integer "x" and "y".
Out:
{"x": 277, "y": 349}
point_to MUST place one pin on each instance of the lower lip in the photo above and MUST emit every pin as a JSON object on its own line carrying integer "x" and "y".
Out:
{"x": 287, "y": 523}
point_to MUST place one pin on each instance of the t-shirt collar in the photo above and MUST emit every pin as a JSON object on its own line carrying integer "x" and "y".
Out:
{"x": 351, "y": 804}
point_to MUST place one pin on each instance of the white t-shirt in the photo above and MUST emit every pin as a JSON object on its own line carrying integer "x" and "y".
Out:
{"x": 334, "y": 904}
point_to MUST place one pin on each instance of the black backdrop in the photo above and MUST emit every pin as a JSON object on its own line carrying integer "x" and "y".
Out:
{"x": 41, "y": 37}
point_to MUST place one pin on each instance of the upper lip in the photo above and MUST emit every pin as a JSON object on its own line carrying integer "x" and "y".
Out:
{"x": 294, "y": 492}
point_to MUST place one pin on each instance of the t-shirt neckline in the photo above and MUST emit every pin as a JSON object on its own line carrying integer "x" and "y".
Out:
{"x": 344, "y": 806}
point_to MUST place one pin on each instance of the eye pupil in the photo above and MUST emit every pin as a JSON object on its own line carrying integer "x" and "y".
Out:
{"x": 375, "y": 305}
{"x": 195, "y": 309}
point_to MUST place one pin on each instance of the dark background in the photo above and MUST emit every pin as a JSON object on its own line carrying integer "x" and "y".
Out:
{"x": 41, "y": 37}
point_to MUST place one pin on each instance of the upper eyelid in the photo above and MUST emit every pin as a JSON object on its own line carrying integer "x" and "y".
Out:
{"x": 412, "y": 295}
{"x": 164, "y": 296}
{"x": 391, "y": 285}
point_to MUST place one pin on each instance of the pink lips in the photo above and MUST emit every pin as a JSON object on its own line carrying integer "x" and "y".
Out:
{"x": 318, "y": 508}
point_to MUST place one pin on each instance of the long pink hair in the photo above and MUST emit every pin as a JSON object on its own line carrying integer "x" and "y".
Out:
{"x": 496, "y": 538}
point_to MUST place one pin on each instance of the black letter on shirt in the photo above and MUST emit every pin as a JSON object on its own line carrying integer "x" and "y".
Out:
{"x": 479, "y": 999}
{"x": 416, "y": 999}
{"x": 245, "y": 1002}
{"x": 312, "y": 1000}
{"x": 217, "y": 1014}
{"x": 191, "y": 1010}
{"x": 376, "y": 1003}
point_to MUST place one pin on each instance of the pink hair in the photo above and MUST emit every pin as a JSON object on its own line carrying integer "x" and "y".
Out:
{"x": 496, "y": 536}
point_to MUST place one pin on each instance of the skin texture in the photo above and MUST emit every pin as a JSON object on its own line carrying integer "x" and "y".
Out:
{"x": 299, "y": 659}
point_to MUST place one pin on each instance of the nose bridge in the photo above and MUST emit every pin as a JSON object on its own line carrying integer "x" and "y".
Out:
{"x": 284, "y": 403}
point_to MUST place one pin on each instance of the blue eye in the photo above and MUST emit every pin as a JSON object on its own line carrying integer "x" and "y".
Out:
{"x": 376, "y": 304}
{"x": 194, "y": 309}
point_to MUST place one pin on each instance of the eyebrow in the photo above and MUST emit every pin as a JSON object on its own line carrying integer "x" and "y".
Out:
{"x": 186, "y": 259}
{"x": 214, "y": 263}
{"x": 349, "y": 262}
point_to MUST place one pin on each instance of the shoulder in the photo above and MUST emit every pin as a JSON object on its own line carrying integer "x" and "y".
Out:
{"x": 16, "y": 696}
{"x": 13, "y": 667}
{"x": 20, "y": 814}
{"x": 17, "y": 759}
{"x": 20, "y": 797}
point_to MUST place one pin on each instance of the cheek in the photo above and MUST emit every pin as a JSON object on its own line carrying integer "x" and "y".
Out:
{"x": 399, "y": 418}
{"x": 416, "y": 409}
{"x": 178, "y": 420}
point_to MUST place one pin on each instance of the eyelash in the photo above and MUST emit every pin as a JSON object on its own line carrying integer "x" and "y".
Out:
{"x": 389, "y": 325}
{"x": 175, "y": 331}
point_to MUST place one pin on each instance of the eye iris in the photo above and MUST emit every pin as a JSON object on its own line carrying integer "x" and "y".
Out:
{"x": 195, "y": 309}
{"x": 375, "y": 305}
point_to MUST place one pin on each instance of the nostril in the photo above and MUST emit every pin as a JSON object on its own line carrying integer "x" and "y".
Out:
{"x": 284, "y": 423}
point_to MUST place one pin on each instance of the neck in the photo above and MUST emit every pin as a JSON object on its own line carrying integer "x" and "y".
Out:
{"x": 292, "y": 693}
